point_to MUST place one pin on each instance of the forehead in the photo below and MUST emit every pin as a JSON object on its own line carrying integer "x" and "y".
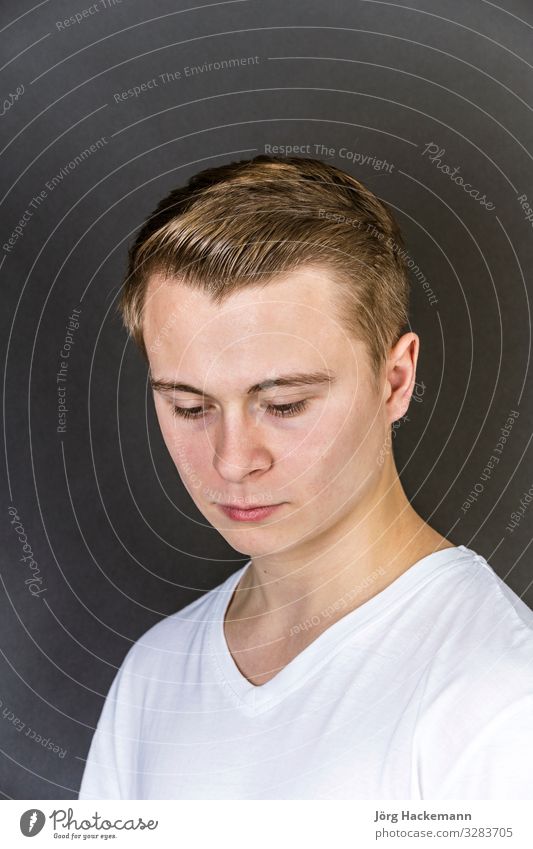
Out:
{"x": 282, "y": 322}
{"x": 305, "y": 296}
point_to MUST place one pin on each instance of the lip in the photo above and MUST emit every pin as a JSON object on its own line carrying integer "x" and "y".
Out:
{"x": 248, "y": 514}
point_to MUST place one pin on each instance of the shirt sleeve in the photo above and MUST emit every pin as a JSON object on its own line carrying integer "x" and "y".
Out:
{"x": 497, "y": 762}
{"x": 110, "y": 767}
{"x": 474, "y": 730}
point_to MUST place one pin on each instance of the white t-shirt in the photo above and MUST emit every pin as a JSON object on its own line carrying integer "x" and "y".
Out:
{"x": 425, "y": 691}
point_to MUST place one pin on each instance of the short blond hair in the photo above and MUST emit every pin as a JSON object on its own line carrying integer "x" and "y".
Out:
{"x": 247, "y": 222}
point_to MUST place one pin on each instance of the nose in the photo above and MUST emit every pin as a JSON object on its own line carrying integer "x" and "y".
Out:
{"x": 239, "y": 447}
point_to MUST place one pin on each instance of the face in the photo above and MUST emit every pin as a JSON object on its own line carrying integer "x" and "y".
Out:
{"x": 265, "y": 400}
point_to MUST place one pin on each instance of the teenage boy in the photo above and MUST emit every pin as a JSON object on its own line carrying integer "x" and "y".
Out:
{"x": 358, "y": 654}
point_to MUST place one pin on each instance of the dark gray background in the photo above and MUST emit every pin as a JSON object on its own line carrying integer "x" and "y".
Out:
{"x": 118, "y": 541}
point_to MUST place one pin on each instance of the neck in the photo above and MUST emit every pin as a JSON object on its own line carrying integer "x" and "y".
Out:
{"x": 345, "y": 565}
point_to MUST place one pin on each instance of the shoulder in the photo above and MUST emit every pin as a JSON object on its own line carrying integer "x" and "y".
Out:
{"x": 483, "y": 607}
{"x": 475, "y": 711}
{"x": 483, "y": 650}
{"x": 179, "y": 635}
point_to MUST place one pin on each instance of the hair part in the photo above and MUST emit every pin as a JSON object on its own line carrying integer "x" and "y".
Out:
{"x": 247, "y": 223}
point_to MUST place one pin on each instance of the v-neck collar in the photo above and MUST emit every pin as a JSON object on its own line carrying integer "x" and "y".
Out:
{"x": 254, "y": 699}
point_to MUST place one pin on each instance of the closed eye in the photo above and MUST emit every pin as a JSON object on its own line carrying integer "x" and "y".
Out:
{"x": 282, "y": 410}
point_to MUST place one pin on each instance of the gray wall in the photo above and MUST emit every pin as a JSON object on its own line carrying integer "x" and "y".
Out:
{"x": 108, "y": 523}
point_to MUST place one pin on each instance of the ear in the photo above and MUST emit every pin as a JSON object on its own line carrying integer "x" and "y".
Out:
{"x": 401, "y": 375}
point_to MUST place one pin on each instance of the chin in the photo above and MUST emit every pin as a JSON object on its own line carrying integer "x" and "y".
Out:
{"x": 252, "y": 542}
{"x": 242, "y": 549}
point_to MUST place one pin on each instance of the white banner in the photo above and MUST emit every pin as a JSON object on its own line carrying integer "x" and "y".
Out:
{"x": 269, "y": 824}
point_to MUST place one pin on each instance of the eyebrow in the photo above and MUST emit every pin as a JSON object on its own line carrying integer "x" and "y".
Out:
{"x": 296, "y": 379}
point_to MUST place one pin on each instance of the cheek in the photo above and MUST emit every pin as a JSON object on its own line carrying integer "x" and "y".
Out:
{"x": 171, "y": 435}
{"x": 188, "y": 454}
{"x": 341, "y": 451}
{"x": 311, "y": 466}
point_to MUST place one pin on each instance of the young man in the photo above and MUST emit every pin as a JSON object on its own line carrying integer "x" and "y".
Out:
{"x": 358, "y": 654}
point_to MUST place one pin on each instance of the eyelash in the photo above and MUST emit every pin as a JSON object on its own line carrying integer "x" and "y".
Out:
{"x": 281, "y": 410}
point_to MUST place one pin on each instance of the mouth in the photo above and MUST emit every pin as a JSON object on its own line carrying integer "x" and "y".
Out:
{"x": 248, "y": 514}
